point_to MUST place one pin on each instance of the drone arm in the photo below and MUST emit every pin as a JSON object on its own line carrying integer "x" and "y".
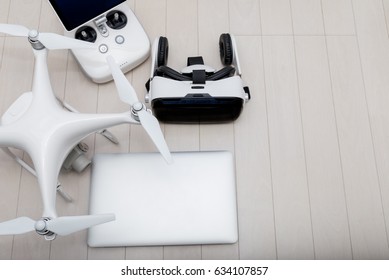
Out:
{"x": 41, "y": 89}
{"x": 104, "y": 132}
{"x": 9, "y": 137}
{"x": 85, "y": 124}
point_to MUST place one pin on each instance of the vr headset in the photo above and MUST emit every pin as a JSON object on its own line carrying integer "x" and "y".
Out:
{"x": 198, "y": 93}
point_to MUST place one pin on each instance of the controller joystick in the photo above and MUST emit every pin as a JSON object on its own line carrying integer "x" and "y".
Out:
{"x": 116, "y": 19}
{"x": 86, "y": 33}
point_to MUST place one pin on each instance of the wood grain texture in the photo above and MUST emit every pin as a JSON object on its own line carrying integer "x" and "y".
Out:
{"x": 367, "y": 224}
{"x": 311, "y": 147}
{"x": 21, "y": 64}
{"x": 244, "y": 17}
{"x": 307, "y": 17}
{"x": 276, "y": 17}
{"x": 257, "y": 238}
{"x": 292, "y": 209}
{"x": 386, "y": 13}
{"x": 9, "y": 186}
{"x": 338, "y": 17}
{"x": 325, "y": 179}
{"x": 373, "y": 46}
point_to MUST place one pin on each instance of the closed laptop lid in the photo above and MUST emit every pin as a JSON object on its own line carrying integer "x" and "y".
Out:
{"x": 192, "y": 201}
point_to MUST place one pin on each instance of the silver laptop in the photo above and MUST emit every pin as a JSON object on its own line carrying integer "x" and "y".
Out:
{"x": 192, "y": 201}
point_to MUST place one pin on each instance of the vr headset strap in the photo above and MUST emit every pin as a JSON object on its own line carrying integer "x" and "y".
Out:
{"x": 199, "y": 77}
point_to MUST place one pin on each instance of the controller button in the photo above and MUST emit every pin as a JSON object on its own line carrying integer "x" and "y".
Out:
{"x": 103, "y": 48}
{"x": 119, "y": 39}
{"x": 103, "y": 29}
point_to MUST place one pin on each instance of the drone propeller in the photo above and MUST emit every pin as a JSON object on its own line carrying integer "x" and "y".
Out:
{"x": 51, "y": 41}
{"x": 17, "y": 226}
{"x": 61, "y": 226}
{"x": 14, "y": 30}
{"x": 128, "y": 95}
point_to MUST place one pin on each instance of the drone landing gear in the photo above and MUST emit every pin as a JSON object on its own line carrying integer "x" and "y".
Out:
{"x": 25, "y": 165}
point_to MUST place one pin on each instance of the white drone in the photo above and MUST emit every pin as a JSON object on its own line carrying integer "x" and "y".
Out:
{"x": 38, "y": 124}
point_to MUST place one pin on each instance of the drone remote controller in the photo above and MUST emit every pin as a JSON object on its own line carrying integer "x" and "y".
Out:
{"x": 112, "y": 26}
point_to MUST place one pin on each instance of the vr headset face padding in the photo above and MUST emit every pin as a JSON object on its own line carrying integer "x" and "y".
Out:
{"x": 167, "y": 72}
{"x": 225, "y": 72}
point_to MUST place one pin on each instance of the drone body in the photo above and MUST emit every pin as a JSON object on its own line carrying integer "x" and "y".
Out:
{"x": 38, "y": 124}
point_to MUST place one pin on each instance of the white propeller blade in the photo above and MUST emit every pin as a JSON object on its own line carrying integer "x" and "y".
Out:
{"x": 71, "y": 224}
{"x": 17, "y": 226}
{"x": 60, "y": 226}
{"x": 126, "y": 91}
{"x": 54, "y": 41}
{"x": 128, "y": 95}
{"x": 14, "y": 30}
{"x": 51, "y": 41}
{"x": 151, "y": 125}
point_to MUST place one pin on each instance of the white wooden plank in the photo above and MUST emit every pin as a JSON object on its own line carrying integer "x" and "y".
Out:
{"x": 106, "y": 253}
{"x": 257, "y": 239}
{"x": 9, "y": 170}
{"x": 276, "y": 18}
{"x": 373, "y": 46}
{"x": 325, "y": 178}
{"x": 10, "y": 174}
{"x": 307, "y": 17}
{"x": 28, "y": 246}
{"x": 4, "y": 7}
{"x": 4, "y": 10}
{"x": 244, "y": 17}
{"x": 386, "y": 10}
{"x": 9, "y": 190}
{"x": 152, "y": 15}
{"x": 291, "y": 194}
{"x": 367, "y": 225}
{"x": 213, "y": 17}
{"x": 25, "y": 12}
{"x": 144, "y": 253}
{"x": 338, "y": 17}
